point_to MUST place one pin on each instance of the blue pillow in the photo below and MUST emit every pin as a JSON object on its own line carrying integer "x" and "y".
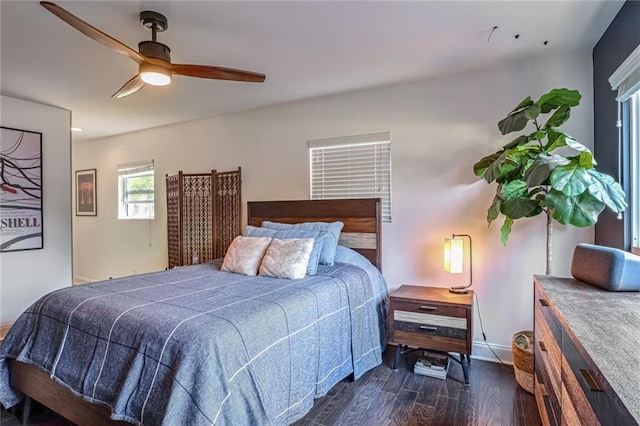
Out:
{"x": 331, "y": 231}
{"x": 285, "y": 234}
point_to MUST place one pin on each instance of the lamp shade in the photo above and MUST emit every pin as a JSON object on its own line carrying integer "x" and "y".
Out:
{"x": 453, "y": 255}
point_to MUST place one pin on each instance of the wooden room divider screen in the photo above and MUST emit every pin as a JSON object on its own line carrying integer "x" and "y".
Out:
{"x": 203, "y": 215}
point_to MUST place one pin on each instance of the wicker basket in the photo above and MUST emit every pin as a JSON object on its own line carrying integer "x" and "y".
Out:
{"x": 522, "y": 347}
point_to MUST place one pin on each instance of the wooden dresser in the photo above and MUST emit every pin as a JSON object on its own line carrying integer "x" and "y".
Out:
{"x": 587, "y": 353}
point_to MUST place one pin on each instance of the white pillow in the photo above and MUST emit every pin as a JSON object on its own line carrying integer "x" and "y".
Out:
{"x": 287, "y": 258}
{"x": 245, "y": 254}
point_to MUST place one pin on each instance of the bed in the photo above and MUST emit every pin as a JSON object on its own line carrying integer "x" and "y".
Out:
{"x": 223, "y": 349}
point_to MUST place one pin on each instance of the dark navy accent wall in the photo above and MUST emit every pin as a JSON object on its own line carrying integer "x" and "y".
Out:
{"x": 621, "y": 38}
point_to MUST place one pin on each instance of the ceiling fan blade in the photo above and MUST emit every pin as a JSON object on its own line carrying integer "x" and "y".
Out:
{"x": 129, "y": 87}
{"x": 217, "y": 73}
{"x": 92, "y": 32}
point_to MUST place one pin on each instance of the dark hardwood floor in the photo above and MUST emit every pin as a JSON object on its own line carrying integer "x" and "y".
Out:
{"x": 384, "y": 397}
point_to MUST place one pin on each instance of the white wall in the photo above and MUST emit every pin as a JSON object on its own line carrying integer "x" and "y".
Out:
{"x": 439, "y": 128}
{"x": 28, "y": 275}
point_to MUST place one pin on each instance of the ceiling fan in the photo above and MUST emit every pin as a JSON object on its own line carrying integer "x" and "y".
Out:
{"x": 153, "y": 58}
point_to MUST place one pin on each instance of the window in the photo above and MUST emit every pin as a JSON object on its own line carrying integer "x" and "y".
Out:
{"x": 136, "y": 191}
{"x": 634, "y": 201}
{"x": 352, "y": 167}
{"x": 626, "y": 81}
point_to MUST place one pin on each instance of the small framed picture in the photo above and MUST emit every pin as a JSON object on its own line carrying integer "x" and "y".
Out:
{"x": 86, "y": 192}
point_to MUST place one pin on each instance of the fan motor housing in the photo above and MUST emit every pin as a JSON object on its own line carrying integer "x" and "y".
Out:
{"x": 154, "y": 49}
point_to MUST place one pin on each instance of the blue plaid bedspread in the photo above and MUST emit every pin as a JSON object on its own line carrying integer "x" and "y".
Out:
{"x": 196, "y": 346}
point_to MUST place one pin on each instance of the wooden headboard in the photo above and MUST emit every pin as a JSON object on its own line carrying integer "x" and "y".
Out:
{"x": 361, "y": 217}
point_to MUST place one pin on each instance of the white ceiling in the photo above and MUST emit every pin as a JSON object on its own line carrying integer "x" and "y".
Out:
{"x": 306, "y": 49}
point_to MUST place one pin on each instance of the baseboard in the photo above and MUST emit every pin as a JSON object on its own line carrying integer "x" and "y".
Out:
{"x": 482, "y": 352}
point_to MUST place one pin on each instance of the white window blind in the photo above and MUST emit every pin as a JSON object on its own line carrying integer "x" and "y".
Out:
{"x": 352, "y": 167}
{"x": 626, "y": 79}
{"x": 136, "y": 193}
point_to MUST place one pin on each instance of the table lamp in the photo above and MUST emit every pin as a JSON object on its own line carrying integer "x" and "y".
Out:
{"x": 454, "y": 259}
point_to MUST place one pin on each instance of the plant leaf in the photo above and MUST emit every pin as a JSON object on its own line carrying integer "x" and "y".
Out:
{"x": 520, "y": 140}
{"x": 505, "y": 230}
{"x": 582, "y": 210}
{"x": 539, "y": 135}
{"x": 573, "y": 144}
{"x": 519, "y": 154}
{"x": 480, "y": 168}
{"x": 558, "y": 139}
{"x": 536, "y": 211}
{"x": 585, "y": 159}
{"x": 607, "y": 190}
{"x": 494, "y": 209}
{"x": 517, "y": 208}
{"x": 513, "y": 189}
{"x": 558, "y": 118}
{"x": 541, "y": 168}
{"x": 517, "y": 121}
{"x": 557, "y": 97}
{"x": 572, "y": 179}
{"x": 532, "y": 112}
{"x": 526, "y": 102}
{"x": 500, "y": 168}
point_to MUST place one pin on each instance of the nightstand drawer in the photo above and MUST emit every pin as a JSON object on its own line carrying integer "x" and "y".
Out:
{"x": 439, "y": 325}
{"x": 430, "y": 308}
{"x": 430, "y": 329}
{"x": 438, "y": 343}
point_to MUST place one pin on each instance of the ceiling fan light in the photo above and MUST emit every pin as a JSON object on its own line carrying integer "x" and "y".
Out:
{"x": 155, "y": 75}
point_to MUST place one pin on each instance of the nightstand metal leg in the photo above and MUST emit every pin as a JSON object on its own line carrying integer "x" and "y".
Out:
{"x": 397, "y": 357}
{"x": 465, "y": 368}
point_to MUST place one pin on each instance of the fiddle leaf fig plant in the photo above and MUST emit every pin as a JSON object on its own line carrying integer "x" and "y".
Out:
{"x": 545, "y": 170}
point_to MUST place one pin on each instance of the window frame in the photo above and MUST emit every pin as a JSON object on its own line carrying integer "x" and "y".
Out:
{"x": 369, "y": 159}
{"x": 634, "y": 163}
{"x": 625, "y": 80}
{"x": 131, "y": 171}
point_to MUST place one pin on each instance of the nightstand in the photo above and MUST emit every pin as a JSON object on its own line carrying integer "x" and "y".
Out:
{"x": 432, "y": 318}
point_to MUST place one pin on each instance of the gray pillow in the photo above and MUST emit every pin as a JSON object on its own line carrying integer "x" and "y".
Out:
{"x": 330, "y": 230}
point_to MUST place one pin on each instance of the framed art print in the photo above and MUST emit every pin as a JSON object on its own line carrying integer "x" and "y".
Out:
{"x": 86, "y": 202}
{"x": 20, "y": 190}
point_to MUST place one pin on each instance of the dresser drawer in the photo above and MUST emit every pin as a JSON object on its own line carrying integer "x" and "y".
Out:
{"x": 589, "y": 392}
{"x": 547, "y": 414}
{"x": 544, "y": 388}
{"x": 548, "y": 356}
{"x": 548, "y": 342}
